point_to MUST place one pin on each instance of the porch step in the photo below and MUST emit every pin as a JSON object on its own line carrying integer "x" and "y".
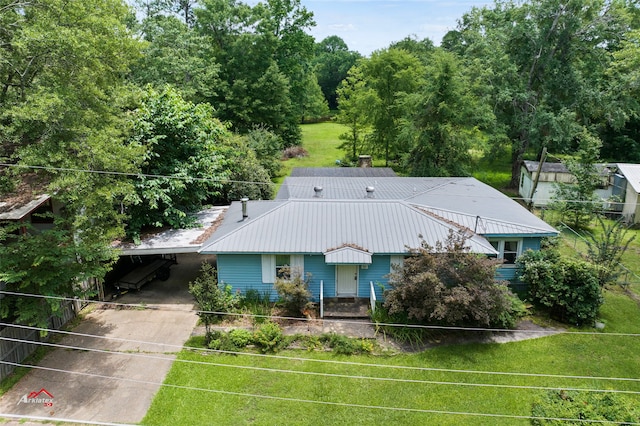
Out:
{"x": 350, "y": 307}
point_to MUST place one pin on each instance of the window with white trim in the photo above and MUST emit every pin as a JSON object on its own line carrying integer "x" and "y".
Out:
{"x": 509, "y": 250}
{"x": 283, "y": 266}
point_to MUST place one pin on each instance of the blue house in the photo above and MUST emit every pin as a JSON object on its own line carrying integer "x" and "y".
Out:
{"x": 348, "y": 232}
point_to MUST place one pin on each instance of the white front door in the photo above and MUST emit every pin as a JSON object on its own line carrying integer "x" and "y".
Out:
{"x": 347, "y": 280}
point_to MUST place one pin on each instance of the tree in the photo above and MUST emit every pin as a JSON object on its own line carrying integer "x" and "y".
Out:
{"x": 578, "y": 200}
{"x": 313, "y": 105}
{"x": 446, "y": 121}
{"x": 354, "y": 99}
{"x": 332, "y": 62}
{"x": 175, "y": 54}
{"x": 543, "y": 63}
{"x": 213, "y": 299}
{"x": 606, "y": 248}
{"x": 183, "y": 164}
{"x": 62, "y": 104}
{"x": 55, "y": 263}
{"x": 391, "y": 74}
{"x": 447, "y": 284}
{"x": 567, "y": 288}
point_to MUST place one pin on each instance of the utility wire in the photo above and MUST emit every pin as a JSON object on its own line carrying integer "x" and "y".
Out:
{"x": 330, "y": 375}
{"x": 374, "y": 324}
{"x": 334, "y": 362}
{"x": 216, "y": 180}
{"x": 59, "y": 420}
{"x": 307, "y": 401}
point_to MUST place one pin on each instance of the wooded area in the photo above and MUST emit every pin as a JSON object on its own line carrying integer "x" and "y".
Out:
{"x": 187, "y": 103}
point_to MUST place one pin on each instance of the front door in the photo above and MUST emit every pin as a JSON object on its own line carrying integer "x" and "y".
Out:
{"x": 347, "y": 280}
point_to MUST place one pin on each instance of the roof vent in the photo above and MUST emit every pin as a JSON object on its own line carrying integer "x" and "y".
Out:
{"x": 370, "y": 190}
{"x": 244, "y": 208}
{"x": 318, "y": 191}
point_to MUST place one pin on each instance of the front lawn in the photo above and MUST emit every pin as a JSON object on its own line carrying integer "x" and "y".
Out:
{"x": 219, "y": 393}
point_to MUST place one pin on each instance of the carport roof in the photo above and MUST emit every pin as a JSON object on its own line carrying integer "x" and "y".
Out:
{"x": 175, "y": 241}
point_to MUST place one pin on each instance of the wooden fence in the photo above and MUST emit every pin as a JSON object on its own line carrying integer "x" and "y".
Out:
{"x": 16, "y": 352}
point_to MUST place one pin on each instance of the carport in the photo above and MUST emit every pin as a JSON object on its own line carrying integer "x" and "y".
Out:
{"x": 168, "y": 258}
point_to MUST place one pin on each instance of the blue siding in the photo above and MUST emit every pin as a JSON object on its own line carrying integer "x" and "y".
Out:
{"x": 243, "y": 272}
{"x": 377, "y": 272}
{"x": 315, "y": 265}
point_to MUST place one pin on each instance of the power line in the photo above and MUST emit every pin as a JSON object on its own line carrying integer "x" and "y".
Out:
{"x": 218, "y": 180}
{"x": 334, "y": 362}
{"x": 130, "y": 174}
{"x": 330, "y": 375}
{"x": 307, "y": 401}
{"x": 59, "y": 419}
{"x": 304, "y": 319}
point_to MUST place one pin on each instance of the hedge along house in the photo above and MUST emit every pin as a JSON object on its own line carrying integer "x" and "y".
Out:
{"x": 349, "y": 232}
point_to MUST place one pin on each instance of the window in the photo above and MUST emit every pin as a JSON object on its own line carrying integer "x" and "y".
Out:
{"x": 507, "y": 250}
{"x": 283, "y": 266}
{"x": 273, "y": 264}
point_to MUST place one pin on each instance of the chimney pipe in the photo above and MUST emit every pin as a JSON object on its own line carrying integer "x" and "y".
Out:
{"x": 318, "y": 191}
{"x": 244, "y": 208}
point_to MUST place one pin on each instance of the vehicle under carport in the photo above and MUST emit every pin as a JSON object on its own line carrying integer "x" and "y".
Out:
{"x": 152, "y": 259}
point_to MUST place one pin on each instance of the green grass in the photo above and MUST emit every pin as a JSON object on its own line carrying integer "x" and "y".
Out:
{"x": 321, "y": 142}
{"x": 602, "y": 354}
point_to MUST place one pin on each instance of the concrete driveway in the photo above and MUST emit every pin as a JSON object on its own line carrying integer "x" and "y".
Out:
{"x": 112, "y": 388}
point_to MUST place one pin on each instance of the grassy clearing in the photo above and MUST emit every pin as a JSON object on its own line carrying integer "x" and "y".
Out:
{"x": 319, "y": 397}
{"x": 321, "y": 142}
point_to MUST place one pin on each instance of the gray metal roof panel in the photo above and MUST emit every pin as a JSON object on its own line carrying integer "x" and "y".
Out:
{"x": 17, "y": 212}
{"x": 464, "y": 195}
{"x": 632, "y": 173}
{"x": 315, "y": 226}
{"x": 343, "y": 172}
{"x": 347, "y": 255}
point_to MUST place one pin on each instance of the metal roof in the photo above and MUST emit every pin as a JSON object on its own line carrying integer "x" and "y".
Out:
{"x": 343, "y": 172}
{"x": 547, "y": 167}
{"x": 632, "y": 173}
{"x": 347, "y": 255}
{"x": 456, "y": 199}
{"x": 355, "y": 188}
{"x": 176, "y": 240}
{"x": 19, "y": 211}
{"x": 318, "y": 226}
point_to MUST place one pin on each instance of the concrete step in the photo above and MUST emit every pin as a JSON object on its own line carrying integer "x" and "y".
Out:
{"x": 346, "y": 308}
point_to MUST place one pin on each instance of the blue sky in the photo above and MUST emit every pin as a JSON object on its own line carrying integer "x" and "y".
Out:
{"x": 368, "y": 25}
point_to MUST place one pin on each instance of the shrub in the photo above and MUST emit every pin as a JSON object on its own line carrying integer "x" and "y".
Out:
{"x": 258, "y": 304}
{"x": 268, "y": 337}
{"x": 568, "y": 289}
{"x": 344, "y": 345}
{"x": 212, "y": 300}
{"x": 294, "y": 152}
{"x": 447, "y": 284}
{"x": 294, "y": 293}
{"x": 240, "y": 337}
{"x": 583, "y": 406}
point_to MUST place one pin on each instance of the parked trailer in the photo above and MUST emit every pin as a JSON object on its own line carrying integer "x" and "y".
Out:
{"x": 158, "y": 268}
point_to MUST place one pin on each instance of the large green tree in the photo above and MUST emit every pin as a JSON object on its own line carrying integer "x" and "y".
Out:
{"x": 332, "y": 62}
{"x": 392, "y": 74}
{"x": 62, "y": 103}
{"x": 354, "y": 99}
{"x": 543, "y": 64}
{"x": 447, "y": 119}
{"x": 184, "y": 163}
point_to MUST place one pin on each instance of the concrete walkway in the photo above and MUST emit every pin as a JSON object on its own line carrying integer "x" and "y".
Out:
{"x": 107, "y": 387}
